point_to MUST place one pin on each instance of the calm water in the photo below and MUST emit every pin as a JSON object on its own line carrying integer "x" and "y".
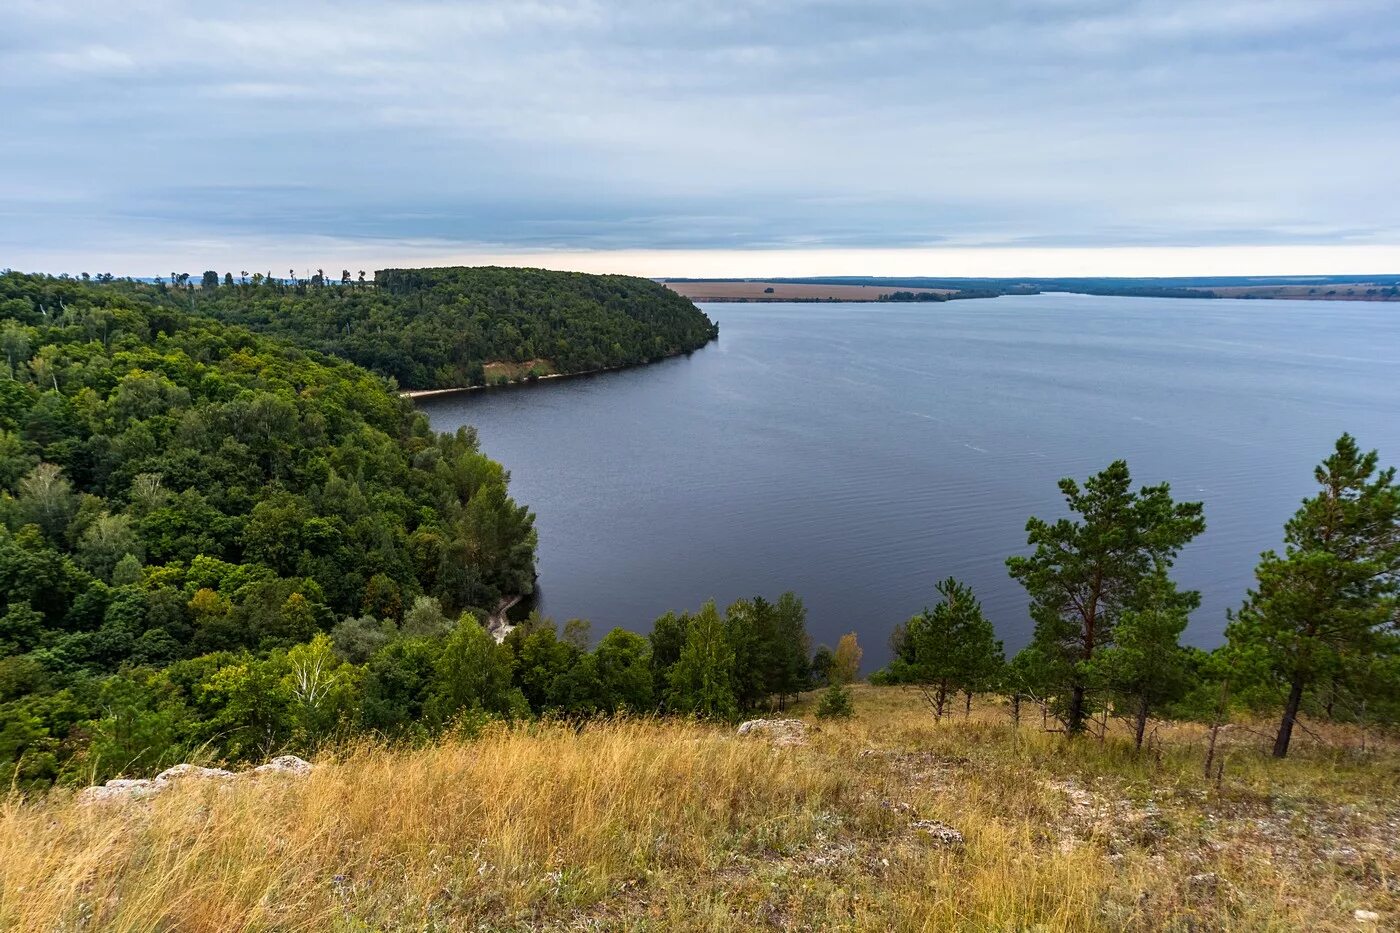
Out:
{"x": 858, "y": 453}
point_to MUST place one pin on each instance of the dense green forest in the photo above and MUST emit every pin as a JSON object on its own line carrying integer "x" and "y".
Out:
{"x": 174, "y": 488}
{"x": 445, "y": 328}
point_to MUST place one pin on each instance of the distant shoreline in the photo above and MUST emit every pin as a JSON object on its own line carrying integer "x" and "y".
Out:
{"x": 919, "y": 290}
{"x": 415, "y": 394}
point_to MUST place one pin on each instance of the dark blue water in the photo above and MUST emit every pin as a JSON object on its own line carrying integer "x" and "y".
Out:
{"x": 858, "y": 453}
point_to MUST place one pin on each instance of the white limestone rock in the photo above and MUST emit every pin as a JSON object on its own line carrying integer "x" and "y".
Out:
{"x": 777, "y": 731}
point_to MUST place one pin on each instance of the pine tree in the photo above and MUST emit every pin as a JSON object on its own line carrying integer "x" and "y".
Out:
{"x": 948, "y": 648}
{"x": 823, "y": 660}
{"x": 1328, "y": 603}
{"x": 836, "y": 703}
{"x": 1025, "y": 677}
{"x": 1146, "y": 665}
{"x": 1084, "y": 574}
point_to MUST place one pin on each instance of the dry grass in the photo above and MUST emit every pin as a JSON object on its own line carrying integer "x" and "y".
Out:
{"x": 673, "y": 826}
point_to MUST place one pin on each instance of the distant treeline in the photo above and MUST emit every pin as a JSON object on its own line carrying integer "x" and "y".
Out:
{"x": 946, "y": 296}
{"x": 918, "y": 288}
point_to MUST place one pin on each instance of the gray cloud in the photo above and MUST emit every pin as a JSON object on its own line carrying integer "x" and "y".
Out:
{"x": 628, "y": 125}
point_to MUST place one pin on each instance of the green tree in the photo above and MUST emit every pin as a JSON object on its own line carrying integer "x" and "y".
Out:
{"x": 473, "y": 674}
{"x": 623, "y": 661}
{"x": 106, "y": 541}
{"x": 398, "y": 686}
{"x": 46, "y": 499}
{"x": 425, "y": 617}
{"x": 823, "y": 663}
{"x": 21, "y": 628}
{"x": 750, "y": 625}
{"x": 836, "y": 703}
{"x": 702, "y": 680}
{"x": 948, "y": 648}
{"x": 1028, "y": 675}
{"x": 1329, "y": 601}
{"x": 1146, "y": 666}
{"x": 790, "y": 671}
{"x": 541, "y": 659}
{"x": 1085, "y": 573}
{"x": 15, "y": 344}
{"x": 140, "y": 727}
{"x": 668, "y": 637}
{"x": 357, "y": 638}
{"x": 15, "y": 460}
{"x": 324, "y": 689}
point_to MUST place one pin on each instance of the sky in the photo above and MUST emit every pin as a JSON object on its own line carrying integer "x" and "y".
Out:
{"x": 750, "y": 138}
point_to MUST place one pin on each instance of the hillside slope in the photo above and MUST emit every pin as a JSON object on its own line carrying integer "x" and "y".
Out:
{"x": 666, "y": 825}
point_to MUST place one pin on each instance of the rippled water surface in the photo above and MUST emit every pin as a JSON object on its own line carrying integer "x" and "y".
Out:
{"x": 857, "y": 453}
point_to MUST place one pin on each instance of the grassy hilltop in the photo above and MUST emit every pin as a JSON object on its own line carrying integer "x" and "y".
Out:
{"x": 667, "y": 825}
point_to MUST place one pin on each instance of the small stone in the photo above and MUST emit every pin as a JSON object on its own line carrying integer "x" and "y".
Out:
{"x": 941, "y": 833}
{"x": 1367, "y": 916}
{"x": 1204, "y": 883}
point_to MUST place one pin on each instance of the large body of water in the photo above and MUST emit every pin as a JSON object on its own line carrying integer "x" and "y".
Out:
{"x": 858, "y": 453}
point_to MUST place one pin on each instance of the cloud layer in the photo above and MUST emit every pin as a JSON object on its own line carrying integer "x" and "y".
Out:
{"x": 170, "y": 131}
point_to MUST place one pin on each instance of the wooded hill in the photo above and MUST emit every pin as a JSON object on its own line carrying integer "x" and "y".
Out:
{"x": 174, "y": 488}
{"x": 445, "y": 328}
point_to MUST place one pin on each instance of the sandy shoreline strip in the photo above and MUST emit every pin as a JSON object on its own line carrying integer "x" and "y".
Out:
{"x": 428, "y": 393}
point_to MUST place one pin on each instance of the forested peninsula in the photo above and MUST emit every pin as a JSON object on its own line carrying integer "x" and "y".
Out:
{"x": 456, "y": 327}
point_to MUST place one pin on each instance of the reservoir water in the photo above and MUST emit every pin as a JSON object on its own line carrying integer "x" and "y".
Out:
{"x": 858, "y": 453}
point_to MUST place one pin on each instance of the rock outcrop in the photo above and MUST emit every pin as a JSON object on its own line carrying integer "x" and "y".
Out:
{"x": 121, "y": 790}
{"x": 284, "y": 764}
{"x": 777, "y": 731}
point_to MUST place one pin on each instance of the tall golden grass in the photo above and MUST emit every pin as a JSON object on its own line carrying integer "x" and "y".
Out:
{"x": 650, "y": 825}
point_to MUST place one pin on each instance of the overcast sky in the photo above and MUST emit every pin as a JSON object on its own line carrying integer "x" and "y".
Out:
{"x": 703, "y": 138}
